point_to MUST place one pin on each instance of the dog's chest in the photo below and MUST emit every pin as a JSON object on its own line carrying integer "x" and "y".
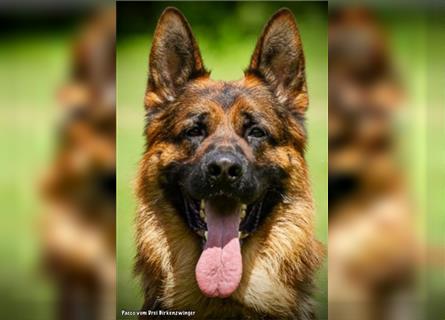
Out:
{"x": 260, "y": 288}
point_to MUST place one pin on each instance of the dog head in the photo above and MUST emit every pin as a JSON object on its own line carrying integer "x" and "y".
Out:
{"x": 222, "y": 152}
{"x": 364, "y": 95}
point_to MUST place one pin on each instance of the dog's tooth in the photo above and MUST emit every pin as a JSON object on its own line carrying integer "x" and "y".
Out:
{"x": 243, "y": 211}
{"x": 202, "y": 214}
{"x": 202, "y": 204}
{"x": 205, "y": 234}
{"x": 242, "y": 234}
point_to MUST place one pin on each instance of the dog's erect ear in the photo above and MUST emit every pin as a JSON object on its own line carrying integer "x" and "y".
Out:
{"x": 175, "y": 57}
{"x": 278, "y": 58}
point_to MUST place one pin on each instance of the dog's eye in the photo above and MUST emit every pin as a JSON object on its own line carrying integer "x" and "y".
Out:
{"x": 256, "y": 132}
{"x": 195, "y": 131}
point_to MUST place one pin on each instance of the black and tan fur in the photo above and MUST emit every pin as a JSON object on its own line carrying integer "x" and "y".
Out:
{"x": 281, "y": 255}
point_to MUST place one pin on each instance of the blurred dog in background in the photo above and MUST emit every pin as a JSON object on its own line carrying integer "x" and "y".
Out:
{"x": 371, "y": 236}
{"x": 78, "y": 228}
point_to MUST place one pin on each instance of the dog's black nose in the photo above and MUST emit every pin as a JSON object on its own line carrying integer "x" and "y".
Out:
{"x": 225, "y": 167}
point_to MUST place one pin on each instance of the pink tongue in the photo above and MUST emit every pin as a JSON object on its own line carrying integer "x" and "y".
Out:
{"x": 219, "y": 268}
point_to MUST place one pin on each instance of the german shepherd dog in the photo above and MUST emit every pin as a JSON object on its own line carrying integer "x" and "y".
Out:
{"x": 78, "y": 225}
{"x": 224, "y": 223}
{"x": 372, "y": 243}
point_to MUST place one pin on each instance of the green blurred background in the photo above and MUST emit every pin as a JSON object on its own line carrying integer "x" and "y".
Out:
{"x": 227, "y": 34}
